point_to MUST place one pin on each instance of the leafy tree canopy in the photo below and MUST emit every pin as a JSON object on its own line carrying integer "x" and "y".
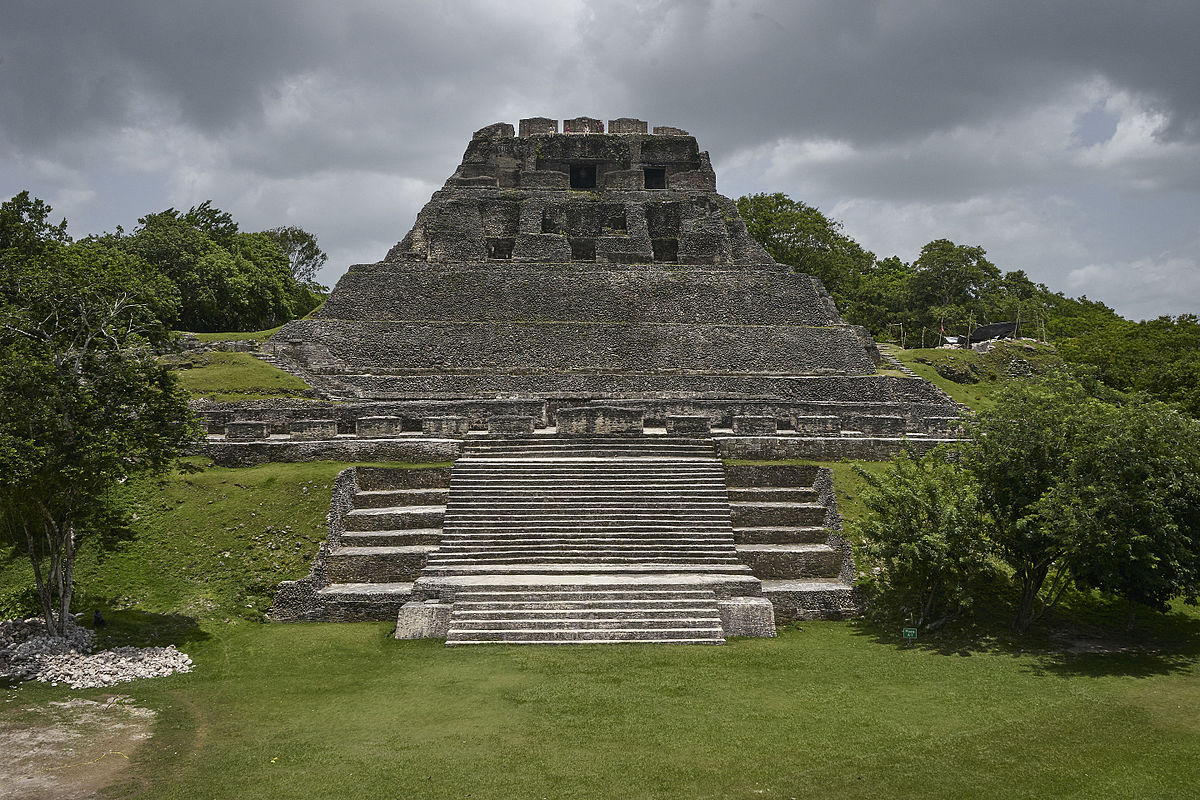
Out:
{"x": 84, "y": 402}
{"x": 304, "y": 256}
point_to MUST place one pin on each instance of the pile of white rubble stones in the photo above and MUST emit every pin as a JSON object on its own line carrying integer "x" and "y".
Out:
{"x": 28, "y": 653}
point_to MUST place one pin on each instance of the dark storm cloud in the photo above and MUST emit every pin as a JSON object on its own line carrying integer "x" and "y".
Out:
{"x": 343, "y": 116}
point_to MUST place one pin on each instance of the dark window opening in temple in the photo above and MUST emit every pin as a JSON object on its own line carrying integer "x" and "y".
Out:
{"x": 583, "y": 249}
{"x": 500, "y": 249}
{"x": 583, "y": 176}
{"x": 616, "y": 222}
{"x": 665, "y": 249}
{"x": 656, "y": 177}
{"x": 551, "y": 223}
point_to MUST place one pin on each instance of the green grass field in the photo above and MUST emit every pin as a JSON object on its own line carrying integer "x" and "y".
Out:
{"x": 826, "y": 710}
{"x": 830, "y": 709}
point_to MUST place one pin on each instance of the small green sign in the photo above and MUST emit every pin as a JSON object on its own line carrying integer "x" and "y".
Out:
{"x": 910, "y": 633}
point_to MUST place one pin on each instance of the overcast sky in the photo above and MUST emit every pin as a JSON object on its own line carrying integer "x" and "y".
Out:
{"x": 1063, "y": 137}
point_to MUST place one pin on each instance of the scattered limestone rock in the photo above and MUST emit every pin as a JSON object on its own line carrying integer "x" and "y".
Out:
{"x": 28, "y": 652}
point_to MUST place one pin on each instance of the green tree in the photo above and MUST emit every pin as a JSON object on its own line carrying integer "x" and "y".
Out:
{"x": 1016, "y": 452}
{"x": 84, "y": 402}
{"x": 923, "y": 530}
{"x": 800, "y": 236}
{"x": 228, "y": 280}
{"x": 303, "y": 253}
{"x": 25, "y": 225}
{"x": 1130, "y": 501}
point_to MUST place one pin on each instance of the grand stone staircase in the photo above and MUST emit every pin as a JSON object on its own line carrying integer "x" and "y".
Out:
{"x": 580, "y": 539}
{"x": 568, "y": 539}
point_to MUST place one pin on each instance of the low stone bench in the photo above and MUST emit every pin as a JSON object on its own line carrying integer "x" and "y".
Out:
{"x": 504, "y": 423}
{"x": 446, "y": 427}
{"x": 755, "y": 426}
{"x": 688, "y": 425}
{"x": 244, "y": 430}
{"x": 377, "y": 427}
{"x": 817, "y": 425}
{"x": 312, "y": 429}
{"x": 941, "y": 426}
{"x": 876, "y": 425}
{"x": 591, "y": 420}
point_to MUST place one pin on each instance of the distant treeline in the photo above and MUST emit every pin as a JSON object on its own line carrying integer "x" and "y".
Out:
{"x": 951, "y": 288}
{"x": 209, "y": 275}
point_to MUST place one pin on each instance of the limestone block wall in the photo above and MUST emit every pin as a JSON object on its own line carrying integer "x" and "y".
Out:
{"x": 515, "y": 347}
{"x": 538, "y": 295}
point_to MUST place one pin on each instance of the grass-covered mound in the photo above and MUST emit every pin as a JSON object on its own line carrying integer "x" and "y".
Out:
{"x": 221, "y": 376}
{"x": 970, "y": 377}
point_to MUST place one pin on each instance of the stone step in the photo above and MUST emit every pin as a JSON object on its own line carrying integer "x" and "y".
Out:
{"x": 391, "y": 538}
{"x": 758, "y": 515}
{"x": 394, "y": 518}
{"x": 794, "y": 599}
{"x": 460, "y": 637}
{"x": 377, "y": 564}
{"x": 387, "y": 498}
{"x": 584, "y": 622}
{"x": 783, "y": 534}
{"x": 588, "y": 527}
{"x": 361, "y": 602}
{"x": 567, "y": 538}
{"x": 598, "y": 516}
{"x": 590, "y": 558}
{"x": 603, "y": 593}
{"x": 615, "y": 546}
{"x": 772, "y": 494}
{"x": 791, "y": 560}
{"x": 552, "y": 609}
{"x": 513, "y": 572}
{"x": 383, "y": 478}
{"x": 548, "y": 502}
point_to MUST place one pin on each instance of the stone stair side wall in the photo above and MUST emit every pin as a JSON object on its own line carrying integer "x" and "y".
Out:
{"x": 297, "y": 601}
{"x": 823, "y": 483}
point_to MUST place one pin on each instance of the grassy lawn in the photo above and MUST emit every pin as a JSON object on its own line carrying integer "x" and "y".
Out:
{"x": 825, "y": 710}
{"x": 209, "y": 544}
{"x": 222, "y": 376}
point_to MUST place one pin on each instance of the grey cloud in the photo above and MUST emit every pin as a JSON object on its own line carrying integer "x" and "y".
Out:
{"x": 256, "y": 104}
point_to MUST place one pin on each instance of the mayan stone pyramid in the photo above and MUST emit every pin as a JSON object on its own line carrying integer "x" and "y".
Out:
{"x": 592, "y": 267}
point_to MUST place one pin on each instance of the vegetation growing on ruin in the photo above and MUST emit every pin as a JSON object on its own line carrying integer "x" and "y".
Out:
{"x": 221, "y": 376}
{"x": 972, "y": 378}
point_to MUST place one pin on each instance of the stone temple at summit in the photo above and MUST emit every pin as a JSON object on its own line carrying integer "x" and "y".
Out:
{"x": 589, "y": 331}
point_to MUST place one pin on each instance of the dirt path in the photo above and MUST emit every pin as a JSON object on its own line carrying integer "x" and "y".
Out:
{"x": 71, "y": 749}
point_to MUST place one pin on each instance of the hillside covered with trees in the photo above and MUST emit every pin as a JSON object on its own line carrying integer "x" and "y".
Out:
{"x": 952, "y": 288}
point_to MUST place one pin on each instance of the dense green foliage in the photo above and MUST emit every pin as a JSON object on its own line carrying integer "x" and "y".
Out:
{"x": 1058, "y": 488}
{"x": 228, "y": 280}
{"x": 84, "y": 403}
{"x": 922, "y": 530}
{"x": 952, "y": 289}
{"x": 222, "y": 279}
{"x": 303, "y": 253}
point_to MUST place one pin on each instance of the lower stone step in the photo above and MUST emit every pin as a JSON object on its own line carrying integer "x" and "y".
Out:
{"x": 588, "y": 636}
{"x": 361, "y": 602}
{"x": 791, "y": 560}
{"x": 391, "y": 538}
{"x": 811, "y": 599}
{"x": 377, "y": 564}
{"x": 786, "y": 534}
